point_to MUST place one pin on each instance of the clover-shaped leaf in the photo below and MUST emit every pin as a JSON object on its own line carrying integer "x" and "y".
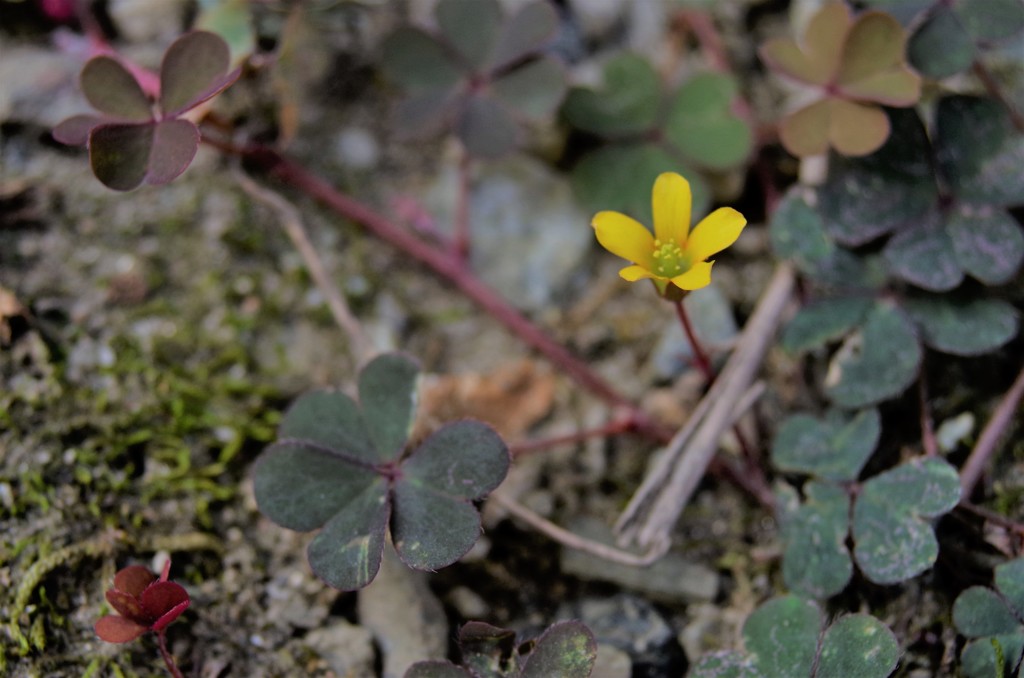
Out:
{"x": 798, "y": 232}
{"x": 139, "y": 140}
{"x": 698, "y": 129}
{"x": 346, "y": 467}
{"x": 833, "y": 448}
{"x": 815, "y": 561}
{"x": 481, "y": 75}
{"x": 784, "y": 639}
{"x": 963, "y": 326}
{"x": 994, "y": 621}
{"x": 823, "y": 321}
{"x": 566, "y": 649}
{"x": 878, "y": 361}
{"x": 856, "y": 64}
{"x": 948, "y": 39}
{"x": 893, "y": 538}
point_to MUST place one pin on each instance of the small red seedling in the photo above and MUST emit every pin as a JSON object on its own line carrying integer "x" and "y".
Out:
{"x": 144, "y": 603}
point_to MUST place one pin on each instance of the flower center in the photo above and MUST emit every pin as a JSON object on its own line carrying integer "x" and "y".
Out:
{"x": 669, "y": 259}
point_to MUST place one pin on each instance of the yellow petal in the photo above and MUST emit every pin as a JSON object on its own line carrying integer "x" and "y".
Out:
{"x": 671, "y": 200}
{"x": 697, "y": 277}
{"x": 714, "y": 233}
{"x": 634, "y": 273}
{"x": 624, "y": 237}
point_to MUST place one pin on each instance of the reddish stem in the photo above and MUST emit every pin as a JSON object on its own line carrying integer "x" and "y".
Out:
{"x": 609, "y": 429}
{"x": 454, "y": 270}
{"x": 928, "y": 441}
{"x": 699, "y": 356}
{"x": 462, "y": 237}
{"x": 161, "y": 640}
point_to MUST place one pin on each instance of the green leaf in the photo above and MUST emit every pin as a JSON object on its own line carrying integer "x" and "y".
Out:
{"x": 346, "y": 554}
{"x": 823, "y": 321}
{"x": 415, "y": 60}
{"x": 782, "y": 635}
{"x": 619, "y": 177}
{"x": 119, "y": 154}
{"x": 893, "y": 538}
{"x": 963, "y": 327}
{"x": 232, "y": 20}
{"x": 431, "y": 530}
{"x": 1010, "y": 582}
{"x": 979, "y": 612}
{"x": 463, "y": 460}
{"x": 387, "y": 396}
{"x": 835, "y": 448}
{"x": 487, "y": 128}
{"x": 626, "y": 103}
{"x": 567, "y": 649}
{"x": 864, "y": 198}
{"x": 524, "y": 33}
{"x": 533, "y": 90}
{"x": 425, "y": 114}
{"x": 876, "y": 363}
{"x": 470, "y": 27}
{"x": 194, "y": 69}
{"x": 978, "y": 151}
{"x": 987, "y": 241}
{"x": 111, "y": 89}
{"x": 797, "y": 231}
{"x": 329, "y": 420}
{"x": 991, "y": 20}
{"x": 857, "y": 646}
{"x": 978, "y": 659}
{"x": 922, "y": 254}
{"x": 941, "y": 46}
{"x": 815, "y": 561}
{"x": 702, "y": 125}
{"x": 300, "y": 486}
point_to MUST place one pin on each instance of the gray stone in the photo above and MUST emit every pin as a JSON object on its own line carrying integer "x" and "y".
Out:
{"x": 347, "y": 648}
{"x": 672, "y": 579}
{"x": 405, "y": 617}
{"x": 612, "y": 663}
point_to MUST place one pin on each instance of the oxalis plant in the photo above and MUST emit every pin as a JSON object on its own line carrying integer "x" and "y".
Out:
{"x": 350, "y": 469}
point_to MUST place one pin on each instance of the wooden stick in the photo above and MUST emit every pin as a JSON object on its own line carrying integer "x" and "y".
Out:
{"x": 976, "y": 462}
{"x": 672, "y": 479}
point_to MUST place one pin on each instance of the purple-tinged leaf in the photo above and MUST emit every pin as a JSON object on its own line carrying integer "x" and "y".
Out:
{"x": 387, "y": 396}
{"x": 114, "y": 629}
{"x": 126, "y": 604}
{"x": 133, "y": 580}
{"x": 470, "y": 27}
{"x": 465, "y": 460}
{"x": 175, "y": 143}
{"x": 162, "y": 599}
{"x": 987, "y": 241}
{"x": 431, "y": 530}
{"x": 119, "y": 154}
{"x": 835, "y": 448}
{"x": 113, "y": 90}
{"x": 534, "y": 90}
{"x": 816, "y": 562}
{"x": 346, "y": 554}
{"x": 75, "y": 130}
{"x": 567, "y": 649}
{"x": 486, "y": 650}
{"x": 416, "y": 61}
{"x": 426, "y": 114}
{"x": 300, "y": 487}
{"x": 978, "y": 150}
{"x": 923, "y": 255}
{"x": 193, "y": 70}
{"x": 525, "y": 32}
{"x": 486, "y": 128}
{"x": 436, "y": 668}
{"x": 331, "y": 421}
{"x": 972, "y": 327}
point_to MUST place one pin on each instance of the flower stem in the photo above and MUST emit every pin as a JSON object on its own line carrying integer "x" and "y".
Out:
{"x": 700, "y": 357}
{"x": 609, "y": 429}
{"x": 461, "y": 245}
{"x": 161, "y": 640}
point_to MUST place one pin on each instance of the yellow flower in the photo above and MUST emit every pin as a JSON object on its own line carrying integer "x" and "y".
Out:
{"x": 674, "y": 256}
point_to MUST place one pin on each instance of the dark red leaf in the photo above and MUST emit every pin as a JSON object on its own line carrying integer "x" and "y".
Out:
{"x": 75, "y": 130}
{"x": 128, "y": 606}
{"x": 162, "y": 597}
{"x": 174, "y": 145}
{"x": 172, "y": 614}
{"x": 114, "y": 629}
{"x": 133, "y": 580}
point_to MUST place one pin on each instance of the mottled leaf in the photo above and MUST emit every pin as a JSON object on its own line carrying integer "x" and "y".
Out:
{"x": 991, "y": 20}
{"x": 978, "y": 151}
{"x": 346, "y": 554}
{"x": 980, "y": 611}
{"x": 436, "y": 669}
{"x": 782, "y": 635}
{"x": 857, "y": 646}
{"x": 822, "y": 321}
{"x": 567, "y": 649}
{"x": 894, "y": 540}
{"x": 464, "y": 460}
{"x": 815, "y": 560}
{"x": 987, "y": 241}
{"x": 797, "y": 231}
{"x": 833, "y": 448}
{"x": 876, "y": 363}
{"x": 922, "y": 254}
{"x": 431, "y": 530}
{"x": 963, "y": 327}
{"x": 941, "y": 46}
{"x": 1010, "y": 582}
{"x": 979, "y": 658}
